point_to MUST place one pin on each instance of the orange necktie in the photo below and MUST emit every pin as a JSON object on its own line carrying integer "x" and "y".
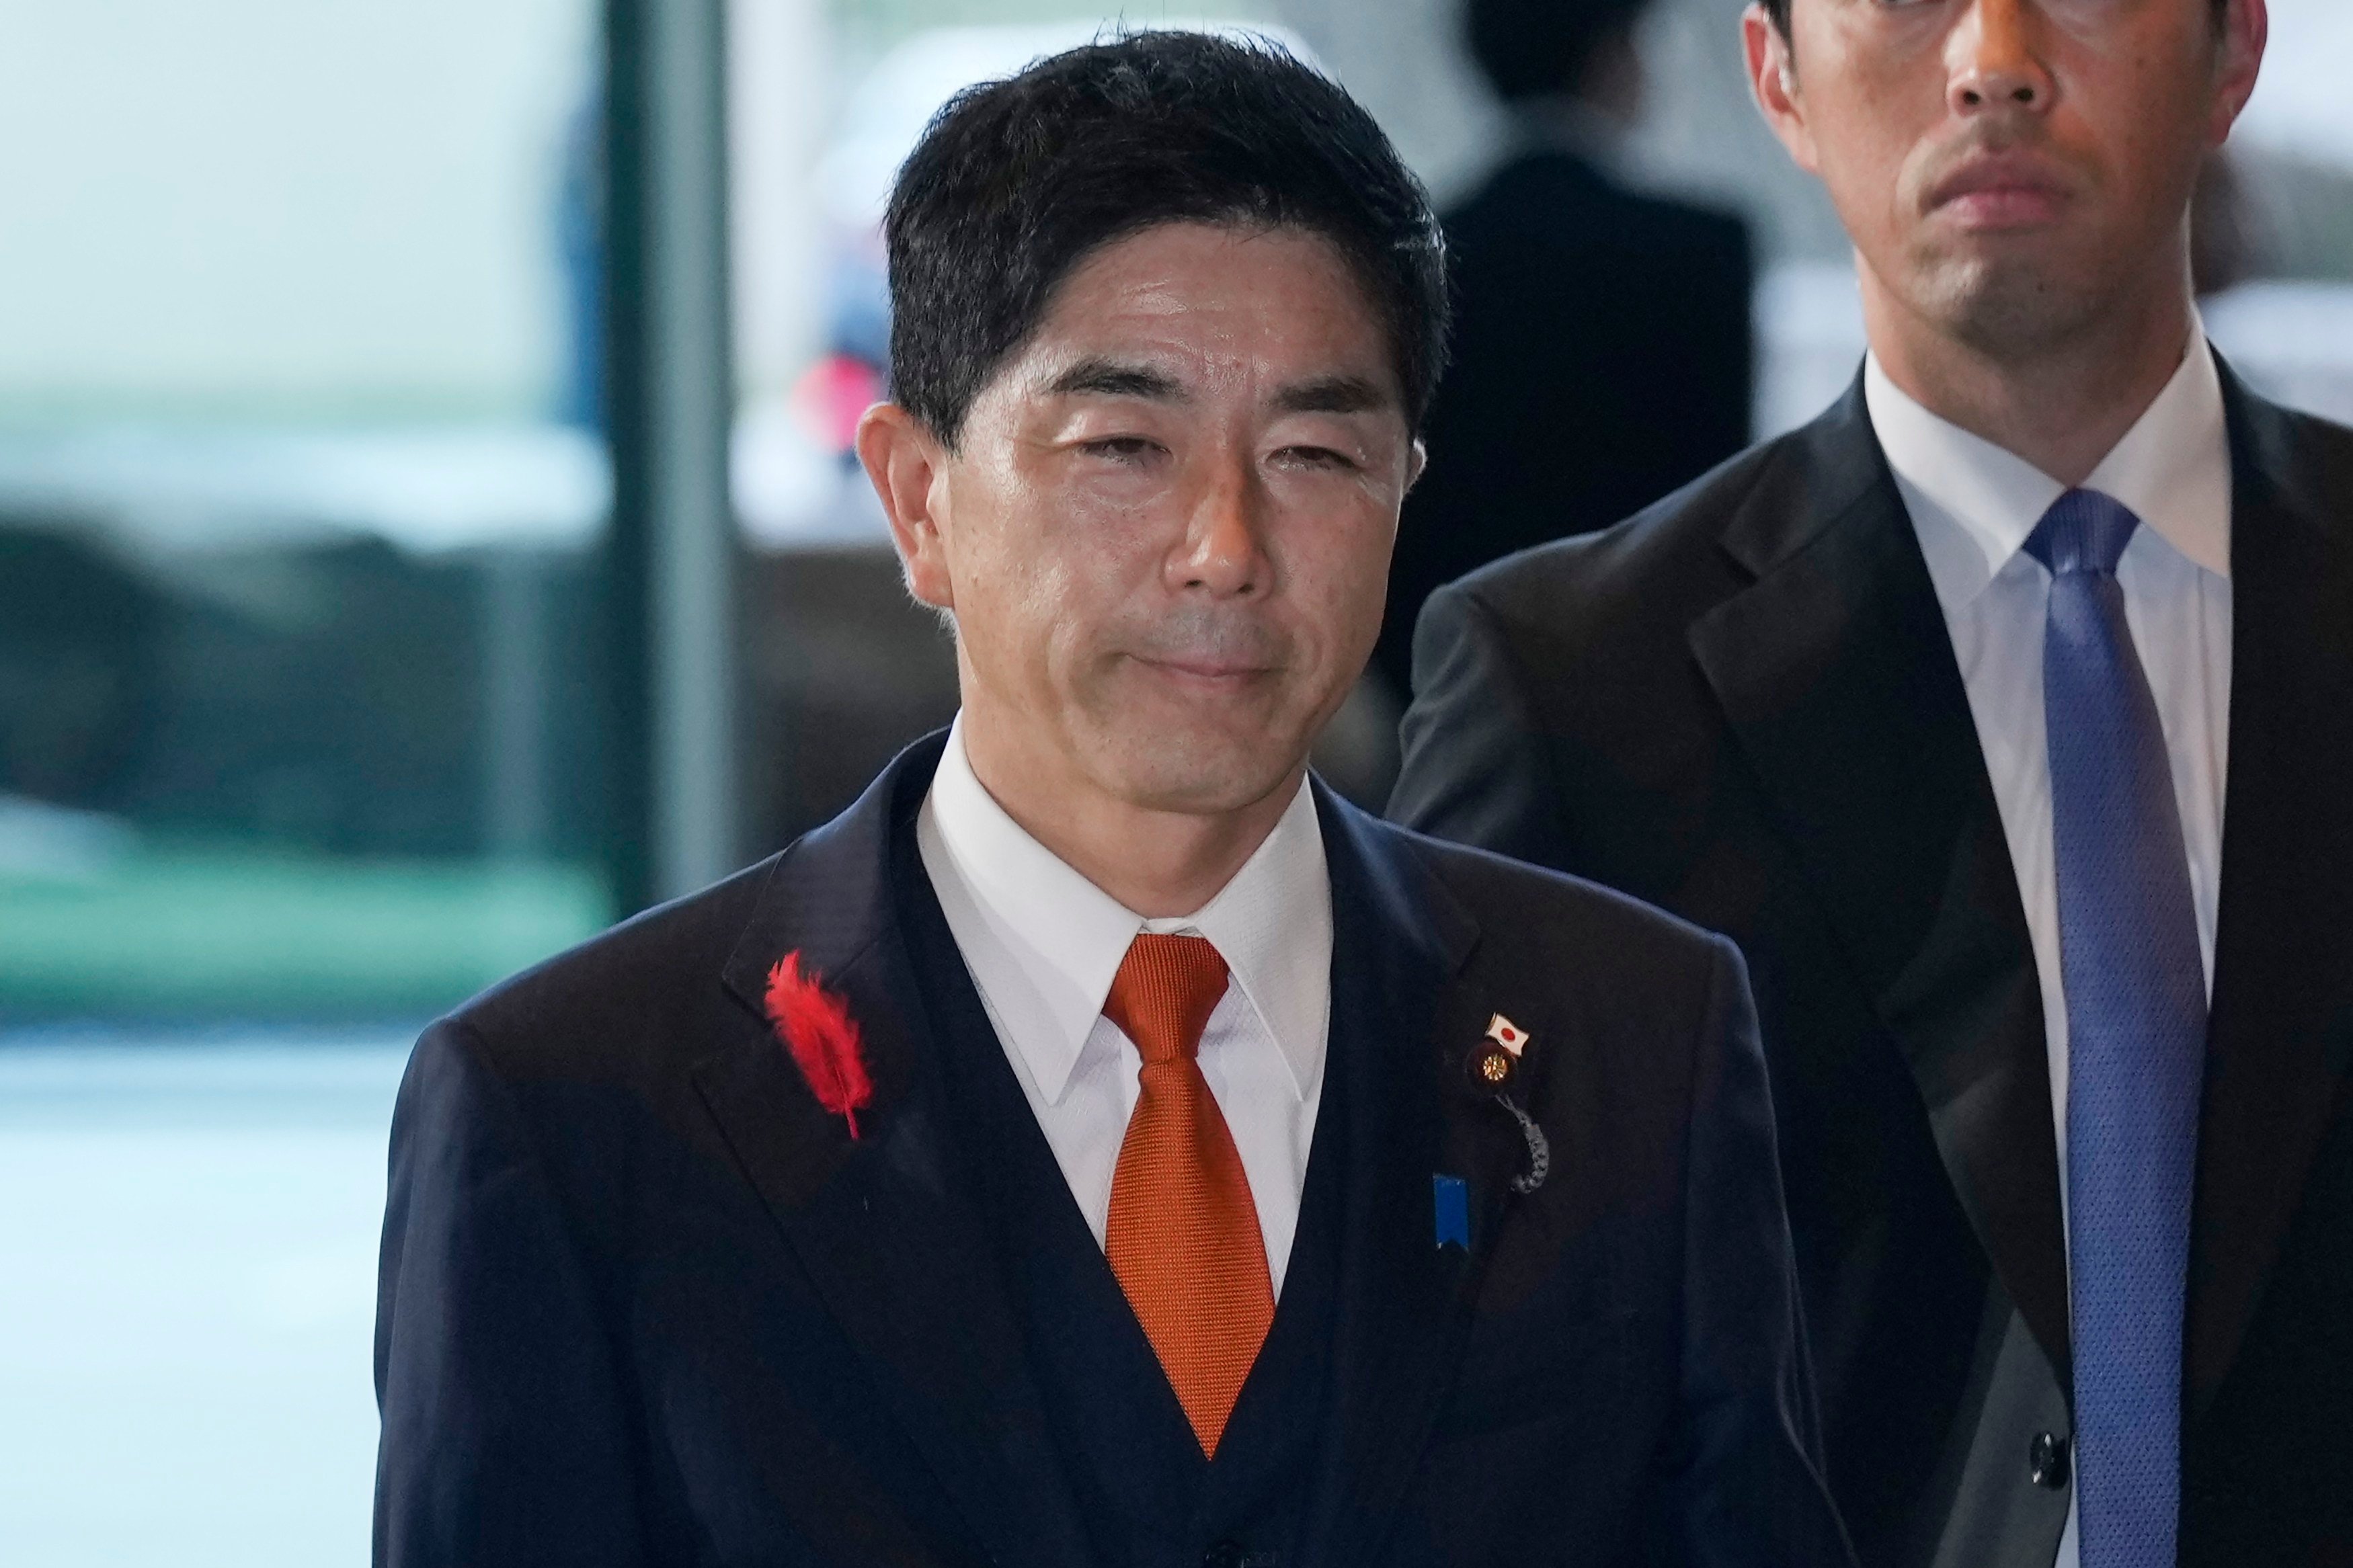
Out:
{"x": 1183, "y": 1238}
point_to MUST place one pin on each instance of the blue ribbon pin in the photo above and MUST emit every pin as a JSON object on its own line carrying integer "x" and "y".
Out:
{"x": 1452, "y": 1200}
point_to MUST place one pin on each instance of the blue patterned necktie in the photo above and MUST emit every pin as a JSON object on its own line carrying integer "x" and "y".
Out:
{"x": 2136, "y": 1039}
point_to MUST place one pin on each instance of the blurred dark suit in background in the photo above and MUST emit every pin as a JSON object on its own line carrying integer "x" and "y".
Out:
{"x": 1601, "y": 348}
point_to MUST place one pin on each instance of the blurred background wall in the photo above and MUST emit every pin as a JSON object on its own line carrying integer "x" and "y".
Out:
{"x": 426, "y": 535}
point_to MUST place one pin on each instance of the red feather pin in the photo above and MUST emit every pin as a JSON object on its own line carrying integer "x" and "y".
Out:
{"x": 817, "y": 1027}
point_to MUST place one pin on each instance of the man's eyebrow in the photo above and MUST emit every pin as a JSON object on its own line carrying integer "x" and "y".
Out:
{"x": 1110, "y": 378}
{"x": 1334, "y": 395}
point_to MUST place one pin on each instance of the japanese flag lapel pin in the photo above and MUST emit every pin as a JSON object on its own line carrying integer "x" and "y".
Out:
{"x": 1495, "y": 1067}
{"x": 1496, "y": 1061}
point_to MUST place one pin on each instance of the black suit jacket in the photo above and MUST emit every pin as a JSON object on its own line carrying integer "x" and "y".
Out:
{"x": 1743, "y": 704}
{"x": 1602, "y": 357}
{"x": 643, "y": 1301}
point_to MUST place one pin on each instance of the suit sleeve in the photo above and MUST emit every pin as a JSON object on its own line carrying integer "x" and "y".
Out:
{"x": 503, "y": 1442}
{"x": 1474, "y": 767}
{"x": 1746, "y": 1458}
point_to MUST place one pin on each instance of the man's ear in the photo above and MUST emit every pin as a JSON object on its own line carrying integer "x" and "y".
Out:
{"x": 908, "y": 467}
{"x": 1417, "y": 461}
{"x": 1773, "y": 82}
{"x": 2245, "y": 33}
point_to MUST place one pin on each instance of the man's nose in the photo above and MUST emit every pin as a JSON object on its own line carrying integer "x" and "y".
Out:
{"x": 1220, "y": 554}
{"x": 1993, "y": 61}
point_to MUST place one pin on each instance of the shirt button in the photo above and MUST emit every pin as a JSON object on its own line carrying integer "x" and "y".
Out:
{"x": 2046, "y": 1461}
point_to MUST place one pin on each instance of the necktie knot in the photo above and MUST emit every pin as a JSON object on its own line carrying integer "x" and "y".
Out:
{"x": 2085, "y": 530}
{"x": 1162, "y": 997}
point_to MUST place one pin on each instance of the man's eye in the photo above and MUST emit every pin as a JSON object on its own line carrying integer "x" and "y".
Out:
{"x": 1121, "y": 448}
{"x": 1315, "y": 457}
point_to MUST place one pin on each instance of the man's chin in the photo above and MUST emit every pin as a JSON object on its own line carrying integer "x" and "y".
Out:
{"x": 1204, "y": 775}
{"x": 2009, "y": 305}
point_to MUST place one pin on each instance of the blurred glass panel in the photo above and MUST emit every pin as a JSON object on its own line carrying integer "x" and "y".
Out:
{"x": 185, "y": 1319}
{"x": 299, "y": 476}
{"x": 300, "y": 479}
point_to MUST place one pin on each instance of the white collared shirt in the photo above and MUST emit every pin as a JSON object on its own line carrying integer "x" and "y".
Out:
{"x": 1972, "y": 505}
{"x": 1043, "y": 943}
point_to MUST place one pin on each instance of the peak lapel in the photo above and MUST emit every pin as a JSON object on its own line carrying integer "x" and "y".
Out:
{"x": 881, "y": 1224}
{"x": 2282, "y": 1029}
{"x": 1404, "y": 1303}
{"x": 1836, "y": 673}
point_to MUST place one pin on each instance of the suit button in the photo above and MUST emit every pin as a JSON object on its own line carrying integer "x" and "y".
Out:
{"x": 2046, "y": 1460}
{"x": 1223, "y": 1555}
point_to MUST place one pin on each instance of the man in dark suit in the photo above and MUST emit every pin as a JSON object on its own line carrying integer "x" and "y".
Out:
{"x": 1602, "y": 345}
{"x": 1101, "y": 1145}
{"x": 1930, "y": 706}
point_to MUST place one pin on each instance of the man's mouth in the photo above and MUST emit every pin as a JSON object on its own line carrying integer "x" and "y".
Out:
{"x": 2001, "y": 191}
{"x": 1204, "y": 668}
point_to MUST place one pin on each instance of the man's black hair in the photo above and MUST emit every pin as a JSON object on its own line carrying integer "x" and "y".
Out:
{"x": 1017, "y": 182}
{"x": 1529, "y": 48}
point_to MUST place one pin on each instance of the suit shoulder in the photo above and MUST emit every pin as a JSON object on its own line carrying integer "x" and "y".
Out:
{"x": 2328, "y": 450}
{"x": 1564, "y": 203}
{"x": 650, "y": 982}
{"x": 1642, "y": 570}
{"x": 1548, "y": 906}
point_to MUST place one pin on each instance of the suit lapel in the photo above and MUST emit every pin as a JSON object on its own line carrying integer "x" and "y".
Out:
{"x": 1836, "y": 673}
{"x": 1403, "y": 1303}
{"x": 2282, "y": 1017}
{"x": 881, "y": 1224}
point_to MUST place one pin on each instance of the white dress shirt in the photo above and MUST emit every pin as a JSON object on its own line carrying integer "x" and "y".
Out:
{"x": 1043, "y": 943}
{"x": 1972, "y": 505}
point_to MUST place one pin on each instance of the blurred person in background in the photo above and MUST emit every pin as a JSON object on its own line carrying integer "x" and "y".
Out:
{"x": 1101, "y": 1145}
{"x": 1602, "y": 352}
{"x": 1931, "y": 705}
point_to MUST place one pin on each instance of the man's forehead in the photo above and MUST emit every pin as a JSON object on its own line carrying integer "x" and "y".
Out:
{"x": 1159, "y": 378}
{"x": 1185, "y": 310}
{"x": 1154, "y": 282}
{"x": 1194, "y": 248}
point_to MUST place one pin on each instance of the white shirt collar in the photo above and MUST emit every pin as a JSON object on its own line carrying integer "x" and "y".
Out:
{"x": 2172, "y": 469}
{"x": 1060, "y": 938}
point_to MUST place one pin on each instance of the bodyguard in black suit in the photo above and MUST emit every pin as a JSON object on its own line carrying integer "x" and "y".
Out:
{"x": 755, "y": 1232}
{"x": 1764, "y": 704}
{"x": 1741, "y": 706}
{"x": 1602, "y": 352}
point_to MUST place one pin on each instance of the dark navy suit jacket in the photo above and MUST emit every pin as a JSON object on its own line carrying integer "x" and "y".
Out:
{"x": 644, "y": 1300}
